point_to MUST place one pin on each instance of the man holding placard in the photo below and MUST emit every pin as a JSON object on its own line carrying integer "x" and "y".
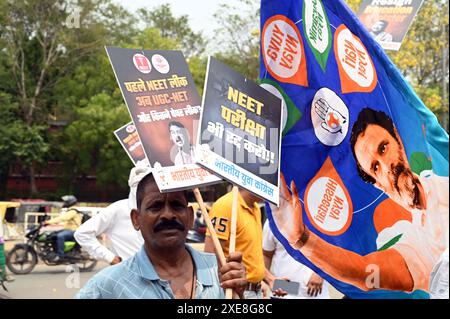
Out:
{"x": 161, "y": 97}
{"x": 165, "y": 267}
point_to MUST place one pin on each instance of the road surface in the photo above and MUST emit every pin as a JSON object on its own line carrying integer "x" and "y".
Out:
{"x": 48, "y": 282}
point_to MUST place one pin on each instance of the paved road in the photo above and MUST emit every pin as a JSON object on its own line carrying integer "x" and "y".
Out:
{"x": 48, "y": 282}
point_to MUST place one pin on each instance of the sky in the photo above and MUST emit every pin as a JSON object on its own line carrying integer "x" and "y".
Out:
{"x": 200, "y": 12}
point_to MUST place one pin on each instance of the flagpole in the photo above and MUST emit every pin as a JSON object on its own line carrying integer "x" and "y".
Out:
{"x": 217, "y": 247}
{"x": 232, "y": 247}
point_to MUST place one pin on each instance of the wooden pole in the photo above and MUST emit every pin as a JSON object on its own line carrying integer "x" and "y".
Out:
{"x": 232, "y": 247}
{"x": 212, "y": 231}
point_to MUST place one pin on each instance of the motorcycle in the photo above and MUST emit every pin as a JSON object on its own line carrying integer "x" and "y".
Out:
{"x": 23, "y": 257}
{"x": 197, "y": 233}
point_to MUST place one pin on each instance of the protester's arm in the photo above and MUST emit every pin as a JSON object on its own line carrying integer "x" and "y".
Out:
{"x": 314, "y": 285}
{"x": 347, "y": 266}
{"x": 269, "y": 277}
{"x": 70, "y": 214}
{"x": 269, "y": 246}
{"x": 220, "y": 218}
{"x": 86, "y": 236}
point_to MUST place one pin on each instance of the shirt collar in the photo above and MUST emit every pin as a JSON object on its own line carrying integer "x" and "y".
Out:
{"x": 202, "y": 268}
{"x": 245, "y": 206}
{"x": 145, "y": 265}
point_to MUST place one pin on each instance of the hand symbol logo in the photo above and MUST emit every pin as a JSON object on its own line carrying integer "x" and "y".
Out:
{"x": 332, "y": 118}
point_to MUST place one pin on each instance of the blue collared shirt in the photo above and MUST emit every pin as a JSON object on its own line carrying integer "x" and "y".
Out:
{"x": 136, "y": 278}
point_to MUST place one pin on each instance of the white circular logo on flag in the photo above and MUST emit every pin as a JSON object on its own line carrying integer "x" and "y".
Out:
{"x": 330, "y": 117}
{"x": 160, "y": 64}
{"x": 141, "y": 63}
{"x": 327, "y": 206}
{"x": 282, "y": 48}
{"x": 354, "y": 59}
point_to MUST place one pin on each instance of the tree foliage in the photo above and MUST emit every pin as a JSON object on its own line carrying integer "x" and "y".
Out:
{"x": 52, "y": 71}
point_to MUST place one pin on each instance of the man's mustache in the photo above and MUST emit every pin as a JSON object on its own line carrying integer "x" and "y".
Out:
{"x": 398, "y": 170}
{"x": 169, "y": 224}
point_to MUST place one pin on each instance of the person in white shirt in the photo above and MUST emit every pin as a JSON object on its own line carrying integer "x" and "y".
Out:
{"x": 114, "y": 221}
{"x": 280, "y": 265}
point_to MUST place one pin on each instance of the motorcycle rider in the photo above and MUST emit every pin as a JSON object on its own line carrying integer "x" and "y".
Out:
{"x": 70, "y": 220}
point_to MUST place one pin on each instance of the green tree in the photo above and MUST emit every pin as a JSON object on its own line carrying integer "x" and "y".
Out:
{"x": 18, "y": 140}
{"x": 237, "y": 40}
{"x": 43, "y": 43}
{"x": 175, "y": 28}
{"x": 90, "y": 145}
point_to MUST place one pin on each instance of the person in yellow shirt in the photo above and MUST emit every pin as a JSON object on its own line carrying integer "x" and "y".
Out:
{"x": 248, "y": 236}
{"x": 70, "y": 220}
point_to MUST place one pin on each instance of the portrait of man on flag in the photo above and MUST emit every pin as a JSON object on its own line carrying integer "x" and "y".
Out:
{"x": 413, "y": 244}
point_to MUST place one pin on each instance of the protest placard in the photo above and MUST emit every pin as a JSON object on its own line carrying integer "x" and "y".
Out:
{"x": 164, "y": 104}
{"x": 131, "y": 143}
{"x": 239, "y": 135}
{"x": 388, "y": 21}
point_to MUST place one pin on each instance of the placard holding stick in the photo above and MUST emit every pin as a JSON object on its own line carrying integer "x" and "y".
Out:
{"x": 217, "y": 247}
{"x": 232, "y": 247}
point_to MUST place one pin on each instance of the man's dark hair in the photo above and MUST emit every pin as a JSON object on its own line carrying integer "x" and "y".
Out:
{"x": 175, "y": 123}
{"x": 140, "y": 191}
{"x": 365, "y": 118}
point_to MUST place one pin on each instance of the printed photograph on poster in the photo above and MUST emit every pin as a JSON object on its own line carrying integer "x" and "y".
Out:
{"x": 240, "y": 131}
{"x": 131, "y": 143}
{"x": 164, "y": 104}
{"x": 388, "y": 21}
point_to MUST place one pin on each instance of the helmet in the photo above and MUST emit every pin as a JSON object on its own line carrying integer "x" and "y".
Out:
{"x": 69, "y": 200}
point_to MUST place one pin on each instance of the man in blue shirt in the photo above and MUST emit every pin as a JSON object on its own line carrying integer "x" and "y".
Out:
{"x": 165, "y": 267}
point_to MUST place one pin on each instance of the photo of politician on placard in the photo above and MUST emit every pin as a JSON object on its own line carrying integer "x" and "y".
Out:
{"x": 163, "y": 102}
{"x": 240, "y": 131}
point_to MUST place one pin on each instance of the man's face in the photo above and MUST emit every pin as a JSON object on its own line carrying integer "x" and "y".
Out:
{"x": 177, "y": 135}
{"x": 378, "y": 26}
{"x": 164, "y": 219}
{"x": 382, "y": 157}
